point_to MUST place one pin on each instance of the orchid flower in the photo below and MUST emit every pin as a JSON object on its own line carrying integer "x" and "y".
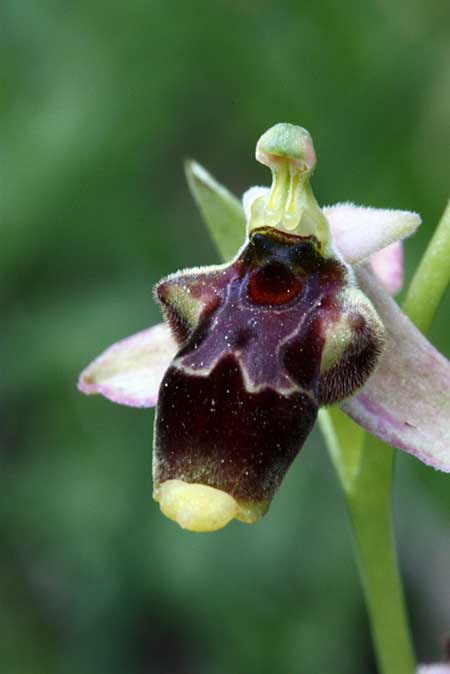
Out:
{"x": 301, "y": 317}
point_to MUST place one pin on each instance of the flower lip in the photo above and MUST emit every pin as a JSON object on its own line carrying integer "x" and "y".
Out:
{"x": 226, "y": 428}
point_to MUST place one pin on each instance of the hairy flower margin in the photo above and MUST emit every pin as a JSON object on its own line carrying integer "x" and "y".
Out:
{"x": 300, "y": 317}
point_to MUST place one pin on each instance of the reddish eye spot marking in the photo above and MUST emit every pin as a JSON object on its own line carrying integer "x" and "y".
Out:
{"x": 273, "y": 283}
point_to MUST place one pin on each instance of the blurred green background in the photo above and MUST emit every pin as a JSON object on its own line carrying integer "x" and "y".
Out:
{"x": 100, "y": 103}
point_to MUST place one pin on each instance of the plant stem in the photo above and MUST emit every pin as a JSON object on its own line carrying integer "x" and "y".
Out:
{"x": 431, "y": 277}
{"x": 365, "y": 469}
{"x": 370, "y": 508}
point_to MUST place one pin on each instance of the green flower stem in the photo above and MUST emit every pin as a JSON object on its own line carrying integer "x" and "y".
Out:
{"x": 370, "y": 509}
{"x": 365, "y": 469}
{"x": 431, "y": 278}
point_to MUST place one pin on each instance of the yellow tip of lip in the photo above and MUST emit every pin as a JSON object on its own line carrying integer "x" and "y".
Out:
{"x": 198, "y": 507}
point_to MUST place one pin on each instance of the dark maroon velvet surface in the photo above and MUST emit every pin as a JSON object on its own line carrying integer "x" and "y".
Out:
{"x": 242, "y": 393}
{"x": 211, "y": 430}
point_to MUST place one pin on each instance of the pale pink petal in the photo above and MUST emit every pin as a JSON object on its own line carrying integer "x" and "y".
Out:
{"x": 388, "y": 267}
{"x": 406, "y": 402}
{"x": 359, "y": 232}
{"x": 130, "y": 372}
{"x": 436, "y": 668}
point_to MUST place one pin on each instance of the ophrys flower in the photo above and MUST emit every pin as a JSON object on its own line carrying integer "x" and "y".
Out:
{"x": 252, "y": 348}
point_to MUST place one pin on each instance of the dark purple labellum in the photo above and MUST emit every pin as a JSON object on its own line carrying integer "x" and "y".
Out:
{"x": 263, "y": 342}
{"x": 227, "y": 437}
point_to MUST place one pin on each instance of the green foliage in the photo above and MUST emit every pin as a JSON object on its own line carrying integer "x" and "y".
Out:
{"x": 100, "y": 104}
